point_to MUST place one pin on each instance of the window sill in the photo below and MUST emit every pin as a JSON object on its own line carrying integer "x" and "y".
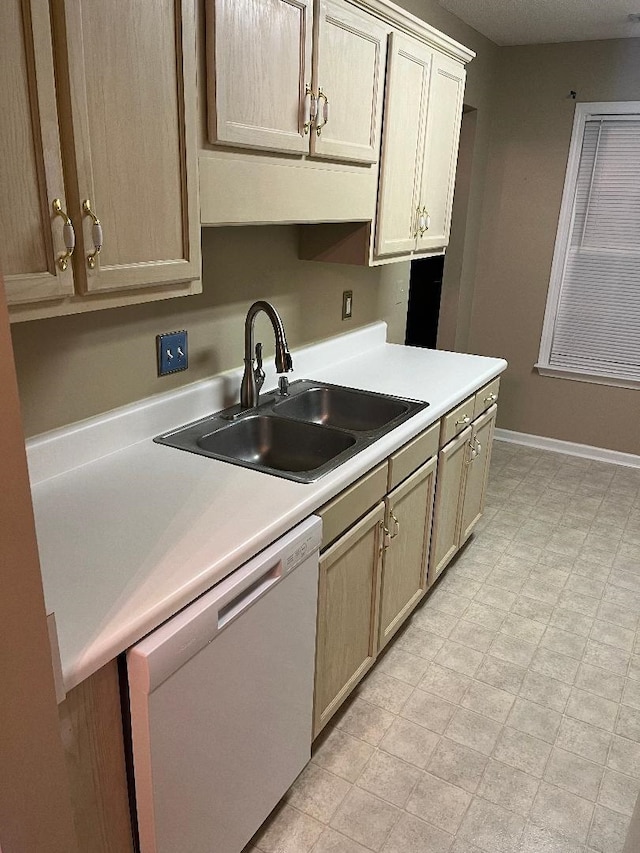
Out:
{"x": 577, "y": 376}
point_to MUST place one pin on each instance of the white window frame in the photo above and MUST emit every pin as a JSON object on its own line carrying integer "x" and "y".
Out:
{"x": 584, "y": 111}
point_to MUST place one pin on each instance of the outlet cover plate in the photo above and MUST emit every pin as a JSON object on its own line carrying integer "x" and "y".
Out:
{"x": 171, "y": 348}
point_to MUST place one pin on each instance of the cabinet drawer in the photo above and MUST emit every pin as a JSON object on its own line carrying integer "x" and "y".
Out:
{"x": 486, "y": 397}
{"x": 350, "y": 505}
{"x": 412, "y": 455}
{"x": 457, "y": 420}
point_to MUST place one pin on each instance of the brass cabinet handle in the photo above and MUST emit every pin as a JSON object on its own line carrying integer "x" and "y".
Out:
{"x": 310, "y": 108}
{"x": 325, "y": 111}
{"x": 463, "y": 421}
{"x": 427, "y": 220}
{"x": 418, "y": 222}
{"x": 68, "y": 234}
{"x": 491, "y": 399}
{"x": 96, "y": 234}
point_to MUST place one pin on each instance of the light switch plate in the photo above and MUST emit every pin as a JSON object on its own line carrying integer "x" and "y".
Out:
{"x": 172, "y": 352}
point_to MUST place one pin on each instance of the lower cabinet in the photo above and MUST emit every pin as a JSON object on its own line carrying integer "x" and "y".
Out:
{"x": 463, "y": 470}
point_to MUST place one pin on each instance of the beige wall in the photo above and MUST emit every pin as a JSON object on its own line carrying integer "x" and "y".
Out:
{"x": 70, "y": 368}
{"x": 525, "y": 178}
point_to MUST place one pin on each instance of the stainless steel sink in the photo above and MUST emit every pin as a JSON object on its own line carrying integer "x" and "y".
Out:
{"x": 302, "y": 436}
{"x": 276, "y": 443}
{"x": 343, "y": 408}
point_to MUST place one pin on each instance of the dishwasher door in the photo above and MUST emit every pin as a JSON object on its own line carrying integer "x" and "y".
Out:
{"x": 221, "y": 702}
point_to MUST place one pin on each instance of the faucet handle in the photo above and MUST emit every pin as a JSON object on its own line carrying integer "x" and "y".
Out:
{"x": 258, "y": 372}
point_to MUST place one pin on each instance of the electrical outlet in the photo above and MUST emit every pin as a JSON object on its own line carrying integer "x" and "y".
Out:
{"x": 347, "y": 304}
{"x": 172, "y": 353}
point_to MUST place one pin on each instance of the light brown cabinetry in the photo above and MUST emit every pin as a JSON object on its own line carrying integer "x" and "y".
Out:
{"x": 375, "y": 573}
{"x": 463, "y": 470}
{"x": 125, "y": 116}
{"x": 269, "y": 92}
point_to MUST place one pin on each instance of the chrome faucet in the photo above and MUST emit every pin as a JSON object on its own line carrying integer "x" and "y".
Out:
{"x": 253, "y": 378}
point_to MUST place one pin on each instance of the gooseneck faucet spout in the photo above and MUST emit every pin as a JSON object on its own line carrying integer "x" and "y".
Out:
{"x": 253, "y": 378}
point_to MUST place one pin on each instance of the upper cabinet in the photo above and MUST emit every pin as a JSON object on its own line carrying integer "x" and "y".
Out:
{"x": 423, "y": 110}
{"x": 123, "y": 115}
{"x": 310, "y": 83}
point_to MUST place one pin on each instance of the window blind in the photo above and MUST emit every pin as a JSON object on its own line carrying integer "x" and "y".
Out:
{"x": 597, "y": 320}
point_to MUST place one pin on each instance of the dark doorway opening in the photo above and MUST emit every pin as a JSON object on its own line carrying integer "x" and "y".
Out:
{"x": 425, "y": 290}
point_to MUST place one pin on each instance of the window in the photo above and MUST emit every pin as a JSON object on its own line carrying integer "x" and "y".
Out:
{"x": 591, "y": 327}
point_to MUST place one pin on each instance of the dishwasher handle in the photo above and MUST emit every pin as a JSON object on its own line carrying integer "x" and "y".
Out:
{"x": 156, "y": 657}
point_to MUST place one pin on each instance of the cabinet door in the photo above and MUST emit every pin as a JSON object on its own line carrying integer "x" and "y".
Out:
{"x": 348, "y": 594}
{"x": 127, "y": 77}
{"x": 444, "y": 115}
{"x": 402, "y": 145}
{"x": 258, "y": 70}
{"x": 349, "y": 60}
{"x": 452, "y": 463}
{"x": 409, "y": 510}
{"x": 477, "y": 472}
{"x": 31, "y": 239}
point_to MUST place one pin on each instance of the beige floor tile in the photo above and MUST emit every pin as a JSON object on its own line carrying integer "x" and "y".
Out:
{"x": 564, "y": 642}
{"x": 535, "y": 720}
{"x": 410, "y": 741}
{"x": 342, "y": 754}
{"x": 624, "y": 756}
{"x": 523, "y": 628}
{"x": 442, "y": 599}
{"x": 585, "y": 586}
{"x": 562, "y": 812}
{"x": 472, "y": 730}
{"x": 618, "y": 615}
{"x": 435, "y": 621}
{"x": 403, "y": 665}
{"x": 493, "y": 596}
{"x": 482, "y": 614}
{"x": 631, "y": 694}
{"x": 492, "y": 828}
{"x": 457, "y": 764}
{"x": 501, "y": 674}
{"x": 464, "y": 587}
{"x": 609, "y": 831}
{"x": 592, "y": 709}
{"x": 460, "y": 845}
{"x": 364, "y": 720}
{"x": 412, "y": 835}
{"x": 445, "y": 683}
{"x": 512, "y": 650}
{"x": 573, "y": 773}
{"x": 488, "y": 701}
{"x": 532, "y": 608}
{"x": 555, "y": 665}
{"x": 439, "y": 803}
{"x": 599, "y": 681}
{"x": 428, "y": 710}
{"x": 613, "y": 635}
{"x": 288, "y": 831}
{"x": 505, "y": 579}
{"x": 386, "y": 692}
{"x": 634, "y": 668}
{"x": 569, "y": 599}
{"x": 365, "y": 818}
{"x": 317, "y": 793}
{"x": 584, "y": 740}
{"x": 622, "y": 597}
{"x": 522, "y": 751}
{"x": 417, "y": 641}
{"x": 628, "y": 724}
{"x": 459, "y": 658}
{"x": 472, "y": 635}
{"x": 619, "y": 792}
{"x": 569, "y": 620}
{"x": 334, "y": 842}
{"x": 508, "y": 787}
{"x": 546, "y": 691}
{"x": 606, "y": 657}
{"x": 389, "y": 778}
{"x": 536, "y": 839}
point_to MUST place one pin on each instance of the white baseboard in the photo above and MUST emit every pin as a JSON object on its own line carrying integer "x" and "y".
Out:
{"x": 600, "y": 454}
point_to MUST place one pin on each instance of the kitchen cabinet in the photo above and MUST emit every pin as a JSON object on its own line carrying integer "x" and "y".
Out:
{"x": 286, "y": 91}
{"x": 124, "y": 121}
{"x": 463, "y": 470}
{"x": 423, "y": 111}
{"x": 375, "y": 573}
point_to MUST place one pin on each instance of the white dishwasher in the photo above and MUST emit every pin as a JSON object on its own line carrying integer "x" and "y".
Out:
{"x": 221, "y": 702}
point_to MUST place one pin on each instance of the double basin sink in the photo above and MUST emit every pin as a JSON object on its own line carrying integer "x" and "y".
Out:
{"x": 299, "y": 436}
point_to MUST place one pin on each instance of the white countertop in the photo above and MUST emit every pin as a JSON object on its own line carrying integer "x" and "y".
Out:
{"x": 130, "y": 531}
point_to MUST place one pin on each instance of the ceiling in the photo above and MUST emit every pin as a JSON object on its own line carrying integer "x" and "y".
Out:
{"x": 541, "y": 21}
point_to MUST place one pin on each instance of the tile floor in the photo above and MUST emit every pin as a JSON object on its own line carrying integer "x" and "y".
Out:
{"x": 506, "y": 716}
